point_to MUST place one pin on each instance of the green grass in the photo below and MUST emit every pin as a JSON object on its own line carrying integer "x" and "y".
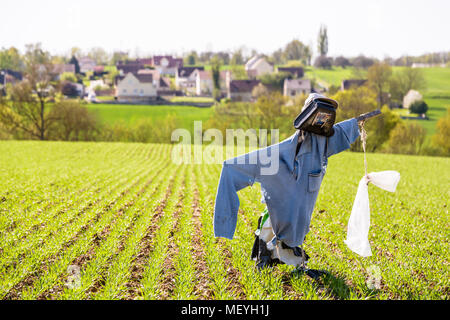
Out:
{"x": 192, "y": 99}
{"x": 333, "y": 76}
{"x": 112, "y": 113}
{"x": 138, "y": 226}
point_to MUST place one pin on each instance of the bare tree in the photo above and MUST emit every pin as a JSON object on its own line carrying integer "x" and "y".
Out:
{"x": 379, "y": 76}
{"x": 27, "y": 109}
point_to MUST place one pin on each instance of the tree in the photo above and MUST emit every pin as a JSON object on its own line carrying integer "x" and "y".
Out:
{"x": 379, "y": 76}
{"x": 259, "y": 90}
{"x": 74, "y": 61}
{"x": 215, "y": 70}
{"x": 441, "y": 137}
{"x": 74, "y": 122}
{"x": 322, "y": 62}
{"x": 341, "y": 62}
{"x": 191, "y": 58}
{"x": 322, "y": 41}
{"x": 27, "y": 110}
{"x": 278, "y": 57}
{"x": 362, "y": 62}
{"x": 406, "y": 138}
{"x": 68, "y": 76}
{"x": 118, "y": 56}
{"x": 237, "y": 58}
{"x": 418, "y": 107}
{"x": 296, "y": 50}
{"x": 10, "y": 59}
{"x": 360, "y": 100}
{"x": 76, "y": 52}
{"x": 275, "y": 80}
{"x": 404, "y": 80}
{"x": 99, "y": 55}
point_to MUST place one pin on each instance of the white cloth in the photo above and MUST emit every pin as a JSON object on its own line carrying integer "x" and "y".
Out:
{"x": 359, "y": 222}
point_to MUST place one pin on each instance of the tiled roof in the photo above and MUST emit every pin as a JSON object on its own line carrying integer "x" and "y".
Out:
{"x": 298, "y": 83}
{"x": 243, "y": 85}
{"x": 292, "y": 70}
{"x": 144, "y": 78}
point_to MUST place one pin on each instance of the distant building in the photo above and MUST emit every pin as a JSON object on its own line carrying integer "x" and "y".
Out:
{"x": 186, "y": 78}
{"x": 352, "y": 83}
{"x": 60, "y": 68}
{"x": 204, "y": 82}
{"x": 297, "y": 72}
{"x": 138, "y": 87}
{"x": 125, "y": 67}
{"x": 411, "y": 97}
{"x": 257, "y": 66}
{"x": 427, "y": 65}
{"x": 8, "y": 76}
{"x": 167, "y": 64}
{"x": 241, "y": 90}
{"x": 294, "y": 87}
{"x": 162, "y": 84}
{"x": 86, "y": 64}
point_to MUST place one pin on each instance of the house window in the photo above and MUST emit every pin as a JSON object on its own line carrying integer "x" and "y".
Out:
{"x": 293, "y": 93}
{"x": 124, "y": 91}
{"x": 142, "y": 90}
{"x": 135, "y": 90}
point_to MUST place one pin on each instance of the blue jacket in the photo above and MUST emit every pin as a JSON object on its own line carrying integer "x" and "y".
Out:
{"x": 291, "y": 193}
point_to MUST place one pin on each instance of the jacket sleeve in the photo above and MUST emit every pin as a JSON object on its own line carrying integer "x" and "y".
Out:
{"x": 233, "y": 178}
{"x": 345, "y": 133}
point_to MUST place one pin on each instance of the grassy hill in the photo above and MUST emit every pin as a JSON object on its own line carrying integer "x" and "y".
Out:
{"x": 122, "y": 221}
{"x": 436, "y": 95}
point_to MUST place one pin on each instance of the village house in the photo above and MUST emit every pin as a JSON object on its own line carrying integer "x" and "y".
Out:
{"x": 167, "y": 65}
{"x": 294, "y": 87}
{"x": 296, "y": 72}
{"x": 257, "y": 66}
{"x": 86, "y": 64}
{"x": 139, "y": 87}
{"x": 204, "y": 82}
{"x": 60, "y": 68}
{"x": 241, "y": 90}
{"x": 125, "y": 67}
{"x": 411, "y": 97}
{"x": 8, "y": 76}
{"x": 162, "y": 83}
{"x": 352, "y": 83}
{"x": 186, "y": 79}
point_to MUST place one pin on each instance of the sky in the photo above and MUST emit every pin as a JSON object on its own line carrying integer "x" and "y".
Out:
{"x": 145, "y": 27}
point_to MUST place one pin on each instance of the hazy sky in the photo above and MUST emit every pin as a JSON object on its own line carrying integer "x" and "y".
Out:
{"x": 373, "y": 28}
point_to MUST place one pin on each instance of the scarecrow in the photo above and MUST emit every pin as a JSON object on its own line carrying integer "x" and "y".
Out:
{"x": 290, "y": 194}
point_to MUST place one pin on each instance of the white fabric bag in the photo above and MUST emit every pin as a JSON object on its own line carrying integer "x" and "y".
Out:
{"x": 359, "y": 222}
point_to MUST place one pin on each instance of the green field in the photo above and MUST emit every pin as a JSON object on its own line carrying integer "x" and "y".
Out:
{"x": 121, "y": 221}
{"x": 112, "y": 113}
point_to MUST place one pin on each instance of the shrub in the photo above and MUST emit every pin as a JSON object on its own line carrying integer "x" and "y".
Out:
{"x": 441, "y": 138}
{"x": 73, "y": 122}
{"x": 418, "y": 107}
{"x": 406, "y": 138}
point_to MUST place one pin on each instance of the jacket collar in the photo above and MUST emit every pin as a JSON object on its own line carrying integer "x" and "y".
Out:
{"x": 288, "y": 150}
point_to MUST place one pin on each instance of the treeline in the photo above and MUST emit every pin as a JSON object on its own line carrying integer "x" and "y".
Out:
{"x": 295, "y": 52}
{"x": 69, "y": 120}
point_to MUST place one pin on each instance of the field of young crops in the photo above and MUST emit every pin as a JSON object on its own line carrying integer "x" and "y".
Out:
{"x": 121, "y": 221}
